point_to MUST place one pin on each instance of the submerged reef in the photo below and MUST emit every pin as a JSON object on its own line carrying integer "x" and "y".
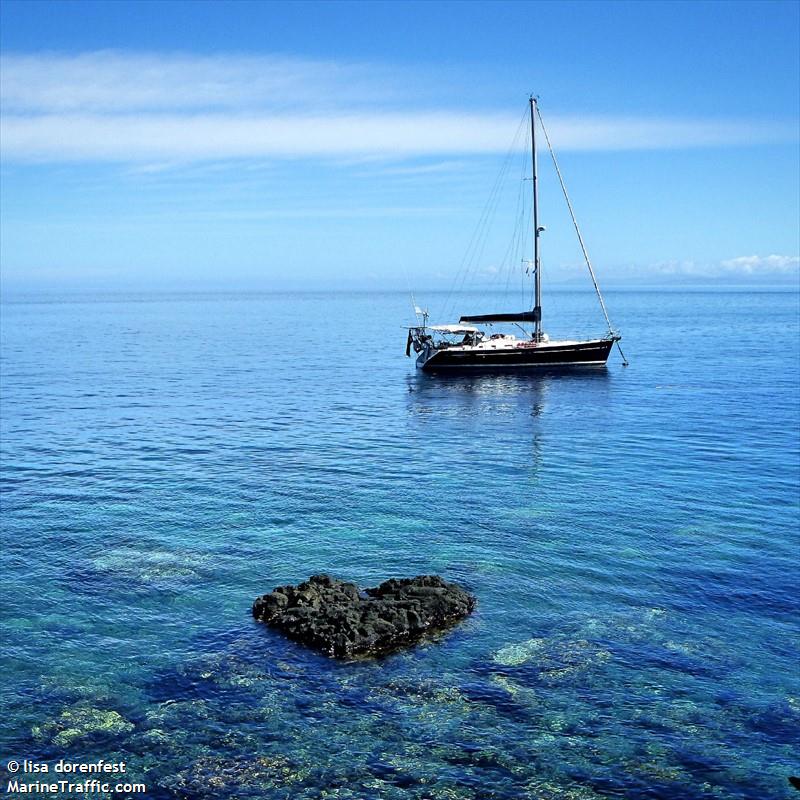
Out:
{"x": 337, "y": 618}
{"x": 212, "y": 776}
{"x": 80, "y": 722}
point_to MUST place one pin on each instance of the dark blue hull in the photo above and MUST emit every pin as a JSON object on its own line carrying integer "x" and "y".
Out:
{"x": 525, "y": 356}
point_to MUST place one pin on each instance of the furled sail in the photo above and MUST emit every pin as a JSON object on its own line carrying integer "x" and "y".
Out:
{"x": 522, "y": 316}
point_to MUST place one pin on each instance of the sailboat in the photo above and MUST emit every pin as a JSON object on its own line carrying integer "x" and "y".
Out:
{"x": 465, "y": 345}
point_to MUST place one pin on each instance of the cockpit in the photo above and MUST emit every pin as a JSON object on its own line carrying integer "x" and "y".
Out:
{"x": 442, "y": 337}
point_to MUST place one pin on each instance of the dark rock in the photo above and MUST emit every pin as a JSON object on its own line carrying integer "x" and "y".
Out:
{"x": 335, "y": 617}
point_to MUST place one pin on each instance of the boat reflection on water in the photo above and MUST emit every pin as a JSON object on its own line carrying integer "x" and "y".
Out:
{"x": 523, "y": 389}
{"x": 498, "y": 413}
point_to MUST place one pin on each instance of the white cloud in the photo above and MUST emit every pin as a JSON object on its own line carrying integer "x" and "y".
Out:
{"x": 112, "y": 106}
{"x": 774, "y": 265}
{"x": 356, "y": 212}
{"x": 444, "y": 167}
{"x": 754, "y": 265}
{"x": 110, "y": 81}
{"x": 190, "y": 137}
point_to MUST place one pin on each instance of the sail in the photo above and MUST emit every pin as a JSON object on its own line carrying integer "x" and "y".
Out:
{"x": 522, "y": 316}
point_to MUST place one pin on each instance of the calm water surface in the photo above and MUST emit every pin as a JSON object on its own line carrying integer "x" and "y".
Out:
{"x": 630, "y": 533}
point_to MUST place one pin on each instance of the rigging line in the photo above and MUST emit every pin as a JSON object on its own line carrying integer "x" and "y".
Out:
{"x": 574, "y": 221}
{"x": 511, "y": 258}
{"x": 521, "y": 227}
{"x": 525, "y": 265}
{"x": 480, "y": 240}
{"x": 410, "y": 289}
{"x": 624, "y": 360}
{"x": 481, "y": 230}
{"x": 472, "y": 246}
{"x": 481, "y": 248}
{"x": 515, "y": 230}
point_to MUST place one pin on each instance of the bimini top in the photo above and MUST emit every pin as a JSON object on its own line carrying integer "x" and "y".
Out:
{"x": 453, "y": 328}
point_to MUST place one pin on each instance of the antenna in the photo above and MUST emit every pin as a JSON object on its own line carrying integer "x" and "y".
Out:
{"x": 420, "y": 312}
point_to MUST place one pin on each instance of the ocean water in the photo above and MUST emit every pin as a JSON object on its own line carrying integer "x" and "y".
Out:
{"x": 631, "y": 535}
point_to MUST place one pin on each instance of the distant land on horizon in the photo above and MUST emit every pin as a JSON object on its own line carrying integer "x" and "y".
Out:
{"x": 661, "y": 283}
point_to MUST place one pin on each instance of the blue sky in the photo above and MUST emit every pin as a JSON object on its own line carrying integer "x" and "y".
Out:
{"x": 354, "y": 145}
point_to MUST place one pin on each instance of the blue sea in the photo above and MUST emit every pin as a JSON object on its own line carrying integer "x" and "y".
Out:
{"x": 630, "y": 533}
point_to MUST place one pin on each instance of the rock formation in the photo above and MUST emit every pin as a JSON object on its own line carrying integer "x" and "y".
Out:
{"x": 340, "y": 620}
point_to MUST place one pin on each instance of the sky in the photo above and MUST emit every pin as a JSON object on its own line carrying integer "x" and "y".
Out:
{"x": 229, "y": 145}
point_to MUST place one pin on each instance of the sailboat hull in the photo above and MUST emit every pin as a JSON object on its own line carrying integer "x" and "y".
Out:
{"x": 527, "y": 355}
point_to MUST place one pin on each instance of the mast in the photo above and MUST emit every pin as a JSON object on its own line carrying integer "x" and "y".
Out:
{"x": 537, "y": 274}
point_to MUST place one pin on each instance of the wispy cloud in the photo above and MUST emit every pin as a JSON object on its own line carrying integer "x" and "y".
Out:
{"x": 144, "y": 107}
{"x": 355, "y": 212}
{"x": 440, "y": 167}
{"x": 753, "y": 265}
{"x": 742, "y": 266}
{"x": 191, "y": 137}
{"x": 130, "y": 137}
{"x": 110, "y": 81}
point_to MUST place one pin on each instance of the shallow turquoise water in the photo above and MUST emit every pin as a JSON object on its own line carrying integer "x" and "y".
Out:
{"x": 631, "y": 536}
